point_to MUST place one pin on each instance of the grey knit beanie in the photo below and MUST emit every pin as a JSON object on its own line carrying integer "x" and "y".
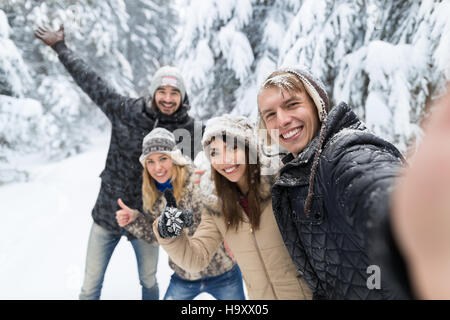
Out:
{"x": 168, "y": 76}
{"x": 160, "y": 140}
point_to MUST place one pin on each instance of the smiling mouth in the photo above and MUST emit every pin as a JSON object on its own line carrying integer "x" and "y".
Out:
{"x": 291, "y": 134}
{"x": 167, "y": 105}
{"x": 231, "y": 170}
{"x": 159, "y": 175}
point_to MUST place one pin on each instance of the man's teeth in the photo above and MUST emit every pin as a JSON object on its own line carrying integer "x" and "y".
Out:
{"x": 290, "y": 133}
{"x": 228, "y": 170}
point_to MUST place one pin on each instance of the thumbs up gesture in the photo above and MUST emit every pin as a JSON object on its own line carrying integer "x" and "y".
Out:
{"x": 173, "y": 220}
{"x": 125, "y": 215}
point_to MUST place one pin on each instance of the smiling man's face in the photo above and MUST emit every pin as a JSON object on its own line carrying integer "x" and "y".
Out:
{"x": 167, "y": 99}
{"x": 291, "y": 118}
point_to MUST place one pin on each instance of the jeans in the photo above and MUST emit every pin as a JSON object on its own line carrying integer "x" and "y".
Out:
{"x": 227, "y": 286}
{"x": 101, "y": 245}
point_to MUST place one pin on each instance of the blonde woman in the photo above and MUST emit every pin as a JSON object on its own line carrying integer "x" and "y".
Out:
{"x": 243, "y": 217}
{"x": 168, "y": 182}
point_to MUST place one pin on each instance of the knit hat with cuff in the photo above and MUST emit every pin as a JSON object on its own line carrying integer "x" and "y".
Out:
{"x": 168, "y": 76}
{"x": 160, "y": 140}
{"x": 233, "y": 127}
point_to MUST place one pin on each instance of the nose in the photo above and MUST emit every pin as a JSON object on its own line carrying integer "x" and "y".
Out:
{"x": 166, "y": 96}
{"x": 229, "y": 157}
{"x": 169, "y": 97}
{"x": 283, "y": 118}
{"x": 157, "y": 166}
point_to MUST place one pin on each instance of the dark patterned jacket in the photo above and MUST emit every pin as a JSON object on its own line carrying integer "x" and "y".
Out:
{"x": 195, "y": 199}
{"x": 131, "y": 120}
{"x": 330, "y": 245}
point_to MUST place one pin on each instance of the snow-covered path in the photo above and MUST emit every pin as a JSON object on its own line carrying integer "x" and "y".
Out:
{"x": 45, "y": 227}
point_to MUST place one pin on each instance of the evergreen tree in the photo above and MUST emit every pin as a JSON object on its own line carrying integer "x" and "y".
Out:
{"x": 99, "y": 32}
{"x": 19, "y": 117}
{"x": 151, "y": 39}
{"x": 386, "y": 59}
{"x": 214, "y": 53}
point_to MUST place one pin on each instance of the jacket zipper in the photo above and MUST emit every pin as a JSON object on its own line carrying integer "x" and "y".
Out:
{"x": 262, "y": 262}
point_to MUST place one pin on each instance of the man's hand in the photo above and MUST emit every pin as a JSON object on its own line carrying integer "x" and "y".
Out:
{"x": 126, "y": 215}
{"x": 49, "y": 37}
{"x": 421, "y": 208}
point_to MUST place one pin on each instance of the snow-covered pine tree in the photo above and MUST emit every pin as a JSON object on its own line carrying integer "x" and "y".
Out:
{"x": 386, "y": 59}
{"x": 226, "y": 50}
{"x": 214, "y": 53}
{"x": 380, "y": 57}
{"x": 95, "y": 31}
{"x": 151, "y": 39}
{"x": 19, "y": 117}
{"x": 98, "y": 31}
{"x": 268, "y": 23}
{"x": 14, "y": 74}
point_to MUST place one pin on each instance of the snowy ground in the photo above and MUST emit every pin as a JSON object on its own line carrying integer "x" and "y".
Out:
{"x": 45, "y": 228}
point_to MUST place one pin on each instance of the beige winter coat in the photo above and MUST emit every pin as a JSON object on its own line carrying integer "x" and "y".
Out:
{"x": 266, "y": 266}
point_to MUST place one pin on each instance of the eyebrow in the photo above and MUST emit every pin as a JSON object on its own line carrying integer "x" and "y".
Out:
{"x": 283, "y": 103}
{"x": 170, "y": 89}
{"x": 290, "y": 100}
{"x": 160, "y": 157}
{"x": 266, "y": 111}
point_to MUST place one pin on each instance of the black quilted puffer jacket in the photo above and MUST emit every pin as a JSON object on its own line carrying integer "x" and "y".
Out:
{"x": 354, "y": 174}
{"x": 131, "y": 120}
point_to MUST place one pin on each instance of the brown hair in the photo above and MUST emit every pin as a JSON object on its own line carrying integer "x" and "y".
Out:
{"x": 228, "y": 193}
{"x": 291, "y": 83}
{"x": 150, "y": 193}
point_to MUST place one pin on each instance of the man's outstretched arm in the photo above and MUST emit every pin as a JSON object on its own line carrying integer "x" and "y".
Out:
{"x": 94, "y": 86}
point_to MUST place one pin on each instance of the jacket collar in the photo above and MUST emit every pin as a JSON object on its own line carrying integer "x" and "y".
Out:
{"x": 180, "y": 116}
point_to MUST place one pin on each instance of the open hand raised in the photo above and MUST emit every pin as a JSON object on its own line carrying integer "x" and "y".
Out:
{"x": 50, "y": 37}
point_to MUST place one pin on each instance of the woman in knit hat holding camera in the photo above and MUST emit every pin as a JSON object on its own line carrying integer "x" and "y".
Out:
{"x": 242, "y": 216}
{"x": 169, "y": 191}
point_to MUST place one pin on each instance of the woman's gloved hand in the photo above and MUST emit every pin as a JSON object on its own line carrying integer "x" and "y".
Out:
{"x": 173, "y": 220}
